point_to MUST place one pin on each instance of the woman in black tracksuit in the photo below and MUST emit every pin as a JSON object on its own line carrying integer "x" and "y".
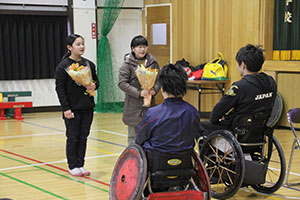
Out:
{"x": 77, "y": 105}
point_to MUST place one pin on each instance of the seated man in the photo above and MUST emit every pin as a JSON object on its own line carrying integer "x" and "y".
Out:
{"x": 254, "y": 93}
{"x": 173, "y": 125}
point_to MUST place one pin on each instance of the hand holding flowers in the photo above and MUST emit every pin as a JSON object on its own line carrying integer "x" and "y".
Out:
{"x": 146, "y": 77}
{"x": 82, "y": 75}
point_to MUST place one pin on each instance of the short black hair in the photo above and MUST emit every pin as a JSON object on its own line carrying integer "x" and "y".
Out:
{"x": 172, "y": 79}
{"x": 138, "y": 40}
{"x": 252, "y": 56}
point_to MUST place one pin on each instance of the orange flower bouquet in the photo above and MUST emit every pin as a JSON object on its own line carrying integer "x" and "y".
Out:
{"x": 147, "y": 77}
{"x": 82, "y": 75}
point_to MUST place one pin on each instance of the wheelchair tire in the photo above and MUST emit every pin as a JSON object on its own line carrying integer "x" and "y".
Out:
{"x": 129, "y": 174}
{"x": 271, "y": 184}
{"x": 201, "y": 178}
{"x": 224, "y": 161}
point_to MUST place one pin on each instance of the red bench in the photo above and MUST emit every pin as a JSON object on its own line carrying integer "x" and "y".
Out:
{"x": 17, "y": 106}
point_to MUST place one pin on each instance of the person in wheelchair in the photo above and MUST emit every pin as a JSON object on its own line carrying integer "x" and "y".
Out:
{"x": 254, "y": 93}
{"x": 168, "y": 131}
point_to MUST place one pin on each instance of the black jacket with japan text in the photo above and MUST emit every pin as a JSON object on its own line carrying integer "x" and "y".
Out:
{"x": 253, "y": 93}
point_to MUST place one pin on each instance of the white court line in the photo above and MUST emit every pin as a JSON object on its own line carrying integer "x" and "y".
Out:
{"x": 61, "y": 161}
{"x": 58, "y": 133}
{"x": 270, "y": 195}
{"x": 38, "y": 134}
{"x": 115, "y": 133}
{"x": 296, "y": 174}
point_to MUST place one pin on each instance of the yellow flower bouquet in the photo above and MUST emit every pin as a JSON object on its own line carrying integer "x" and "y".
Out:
{"x": 146, "y": 77}
{"x": 81, "y": 75}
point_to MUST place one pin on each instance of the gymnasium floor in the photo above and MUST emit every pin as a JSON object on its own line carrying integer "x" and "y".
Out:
{"x": 33, "y": 164}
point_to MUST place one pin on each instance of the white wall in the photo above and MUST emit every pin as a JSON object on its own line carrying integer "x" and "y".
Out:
{"x": 43, "y": 91}
{"x": 84, "y": 12}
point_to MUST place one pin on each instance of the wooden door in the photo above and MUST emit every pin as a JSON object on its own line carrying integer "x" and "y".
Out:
{"x": 158, "y": 35}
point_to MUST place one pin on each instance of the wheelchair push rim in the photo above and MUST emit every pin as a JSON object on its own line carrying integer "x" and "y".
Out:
{"x": 129, "y": 174}
{"x": 223, "y": 159}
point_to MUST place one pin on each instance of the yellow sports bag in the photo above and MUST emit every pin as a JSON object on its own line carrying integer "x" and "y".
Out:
{"x": 216, "y": 69}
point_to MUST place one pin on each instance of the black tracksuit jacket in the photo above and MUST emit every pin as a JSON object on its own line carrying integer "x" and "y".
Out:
{"x": 253, "y": 93}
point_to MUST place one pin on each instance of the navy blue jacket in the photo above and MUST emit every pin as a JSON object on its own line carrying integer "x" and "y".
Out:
{"x": 169, "y": 127}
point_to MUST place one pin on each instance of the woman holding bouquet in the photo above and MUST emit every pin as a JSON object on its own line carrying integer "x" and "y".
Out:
{"x": 76, "y": 101}
{"x": 129, "y": 83}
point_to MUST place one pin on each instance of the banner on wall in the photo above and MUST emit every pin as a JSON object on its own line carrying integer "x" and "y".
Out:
{"x": 286, "y": 44}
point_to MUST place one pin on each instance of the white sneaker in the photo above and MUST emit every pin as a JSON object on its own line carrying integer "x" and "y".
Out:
{"x": 84, "y": 171}
{"x": 76, "y": 172}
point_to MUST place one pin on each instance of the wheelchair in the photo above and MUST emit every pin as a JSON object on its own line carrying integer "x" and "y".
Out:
{"x": 249, "y": 155}
{"x": 179, "y": 176}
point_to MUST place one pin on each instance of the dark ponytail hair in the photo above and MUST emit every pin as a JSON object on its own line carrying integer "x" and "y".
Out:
{"x": 69, "y": 41}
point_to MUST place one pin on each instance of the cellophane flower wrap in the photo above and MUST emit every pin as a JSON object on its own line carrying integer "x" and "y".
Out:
{"x": 146, "y": 77}
{"x": 82, "y": 75}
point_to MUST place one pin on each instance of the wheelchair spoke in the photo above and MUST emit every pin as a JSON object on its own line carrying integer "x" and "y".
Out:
{"x": 228, "y": 169}
{"x": 233, "y": 161}
{"x": 229, "y": 177}
{"x": 269, "y": 175}
{"x": 275, "y": 161}
{"x": 220, "y": 177}
{"x": 209, "y": 159}
{"x": 270, "y": 171}
{"x": 216, "y": 153}
{"x": 212, "y": 173}
{"x": 210, "y": 167}
{"x": 225, "y": 155}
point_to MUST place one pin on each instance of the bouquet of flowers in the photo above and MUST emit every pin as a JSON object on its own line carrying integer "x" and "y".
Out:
{"x": 81, "y": 75}
{"x": 147, "y": 77}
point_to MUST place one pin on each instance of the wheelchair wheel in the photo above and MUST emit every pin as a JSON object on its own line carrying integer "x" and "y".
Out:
{"x": 224, "y": 161}
{"x": 276, "y": 170}
{"x": 201, "y": 178}
{"x": 129, "y": 175}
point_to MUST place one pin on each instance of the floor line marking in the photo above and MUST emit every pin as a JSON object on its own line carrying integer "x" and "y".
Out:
{"x": 52, "y": 172}
{"x": 293, "y": 173}
{"x": 51, "y": 166}
{"x": 28, "y": 184}
{"x": 54, "y": 162}
{"x": 270, "y": 195}
{"x": 37, "y": 134}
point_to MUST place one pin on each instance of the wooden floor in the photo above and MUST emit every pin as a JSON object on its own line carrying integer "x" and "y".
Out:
{"x": 33, "y": 164}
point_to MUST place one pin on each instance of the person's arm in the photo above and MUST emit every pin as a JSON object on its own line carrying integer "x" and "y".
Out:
{"x": 124, "y": 85}
{"x": 60, "y": 76}
{"x": 94, "y": 75}
{"x": 144, "y": 129}
{"x": 226, "y": 103}
{"x": 156, "y": 86}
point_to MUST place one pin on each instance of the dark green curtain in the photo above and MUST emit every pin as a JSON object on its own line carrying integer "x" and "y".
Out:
{"x": 106, "y": 94}
{"x": 286, "y": 30}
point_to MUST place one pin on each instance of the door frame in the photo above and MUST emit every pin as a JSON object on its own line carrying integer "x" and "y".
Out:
{"x": 171, "y": 38}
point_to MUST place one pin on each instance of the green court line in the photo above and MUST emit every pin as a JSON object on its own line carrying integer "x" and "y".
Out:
{"x": 55, "y": 173}
{"x": 38, "y": 188}
{"x": 28, "y": 170}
